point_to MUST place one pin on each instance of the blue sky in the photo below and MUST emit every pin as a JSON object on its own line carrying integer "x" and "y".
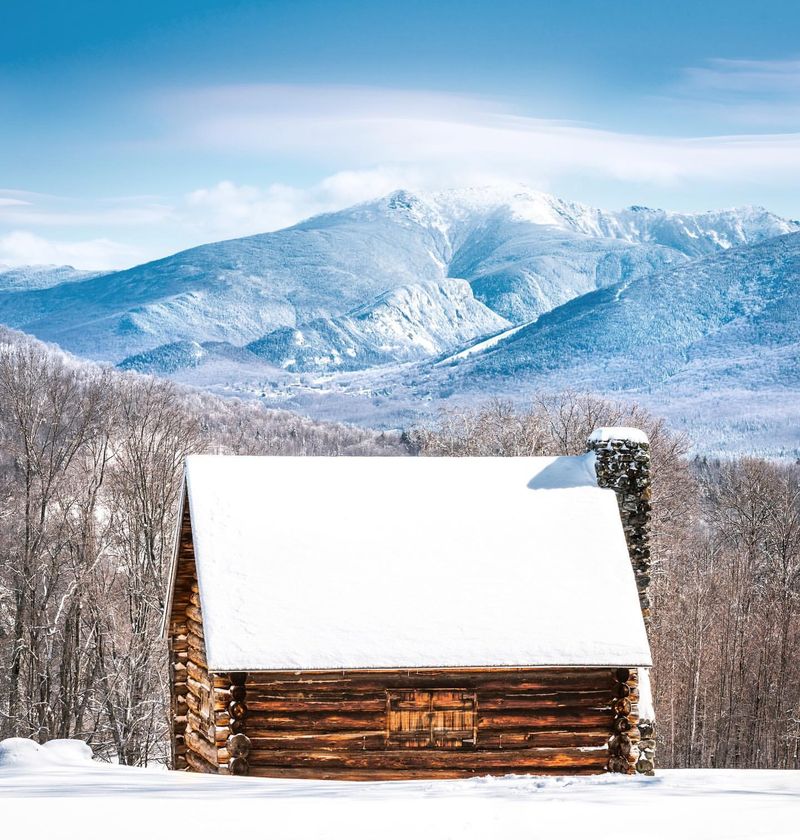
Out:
{"x": 132, "y": 130}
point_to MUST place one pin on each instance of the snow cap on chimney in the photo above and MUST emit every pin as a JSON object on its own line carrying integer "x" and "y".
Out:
{"x": 606, "y": 433}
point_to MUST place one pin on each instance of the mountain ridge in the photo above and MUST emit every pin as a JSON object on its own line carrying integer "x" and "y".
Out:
{"x": 390, "y": 308}
{"x": 522, "y": 252}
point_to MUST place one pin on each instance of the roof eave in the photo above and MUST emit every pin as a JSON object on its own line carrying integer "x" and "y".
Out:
{"x": 173, "y": 568}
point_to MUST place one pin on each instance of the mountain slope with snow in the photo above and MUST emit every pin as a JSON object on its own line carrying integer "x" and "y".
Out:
{"x": 411, "y": 322}
{"x": 27, "y": 277}
{"x": 522, "y": 253}
{"x": 641, "y": 333}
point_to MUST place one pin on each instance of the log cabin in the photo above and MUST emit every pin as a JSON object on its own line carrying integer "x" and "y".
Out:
{"x": 395, "y": 618}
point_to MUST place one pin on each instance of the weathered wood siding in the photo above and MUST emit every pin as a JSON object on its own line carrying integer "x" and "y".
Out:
{"x": 336, "y": 725}
{"x": 194, "y": 742}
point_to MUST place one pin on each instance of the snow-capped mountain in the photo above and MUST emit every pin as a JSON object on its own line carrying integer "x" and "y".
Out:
{"x": 522, "y": 253}
{"x": 413, "y": 299}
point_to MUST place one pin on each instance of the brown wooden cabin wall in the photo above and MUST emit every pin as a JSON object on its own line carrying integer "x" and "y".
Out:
{"x": 334, "y": 724}
{"x": 195, "y": 742}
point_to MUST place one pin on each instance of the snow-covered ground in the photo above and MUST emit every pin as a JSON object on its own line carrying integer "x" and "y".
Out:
{"x": 80, "y": 798}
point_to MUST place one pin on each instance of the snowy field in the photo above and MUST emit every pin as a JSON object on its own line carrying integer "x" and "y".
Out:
{"x": 59, "y": 792}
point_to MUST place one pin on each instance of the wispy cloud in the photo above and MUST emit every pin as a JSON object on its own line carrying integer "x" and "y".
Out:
{"x": 746, "y": 76}
{"x": 22, "y": 247}
{"x": 761, "y": 95}
{"x": 30, "y": 208}
{"x": 453, "y": 136}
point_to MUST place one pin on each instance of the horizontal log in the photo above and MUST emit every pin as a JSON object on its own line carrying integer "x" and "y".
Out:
{"x": 193, "y": 614}
{"x": 199, "y": 689}
{"x": 564, "y": 718}
{"x": 221, "y": 735}
{"x": 198, "y": 673}
{"x": 194, "y": 703}
{"x": 544, "y": 671}
{"x": 195, "y": 629}
{"x": 283, "y": 740}
{"x": 376, "y": 704}
{"x": 317, "y": 721}
{"x": 202, "y": 726}
{"x": 195, "y": 641}
{"x": 310, "y": 722}
{"x": 545, "y": 699}
{"x": 179, "y": 642}
{"x": 482, "y": 680}
{"x": 350, "y": 775}
{"x": 199, "y": 746}
{"x": 376, "y": 740}
{"x": 198, "y": 656}
{"x": 529, "y": 760}
{"x": 222, "y": 718}
{"x": 198, "y": 764}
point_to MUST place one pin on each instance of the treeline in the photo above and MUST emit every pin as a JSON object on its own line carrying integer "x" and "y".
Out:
{"x": 90, "y": 469}
{"x": 725, "y": 631}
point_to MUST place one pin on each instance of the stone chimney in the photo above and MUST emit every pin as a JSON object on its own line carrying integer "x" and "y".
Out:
{"x": 623, "y": 464}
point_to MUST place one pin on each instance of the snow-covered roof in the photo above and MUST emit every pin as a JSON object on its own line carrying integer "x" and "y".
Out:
{"x": 317, "y": 563}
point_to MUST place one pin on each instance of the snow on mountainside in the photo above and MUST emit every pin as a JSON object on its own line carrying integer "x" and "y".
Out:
{"x": 22, "y": 278}
{"x": 640, "y": 333}
{"x": 411, "y": 322}
{"x": 407, "y": 323}
{"x": 522, "y": 252}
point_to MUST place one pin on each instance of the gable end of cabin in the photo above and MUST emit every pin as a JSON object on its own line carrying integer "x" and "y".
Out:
{"x": 198, "y": 710}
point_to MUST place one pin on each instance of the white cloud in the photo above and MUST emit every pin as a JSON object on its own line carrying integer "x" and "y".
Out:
{"x": 229, "y": 209}
{"x": 21, "y": 247}
{"x": 757, "y": 95}
{"x": 444, "y": 136}
{"x": 18, "y": 208}
{"x": 746, "y": 76}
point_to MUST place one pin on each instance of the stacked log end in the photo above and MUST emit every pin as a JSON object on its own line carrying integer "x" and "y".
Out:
{"x": 194, "y": 741}
{"x": 623, "y": 746}
{"x": 179, "y": 646}
{"x": 238, "y": 744}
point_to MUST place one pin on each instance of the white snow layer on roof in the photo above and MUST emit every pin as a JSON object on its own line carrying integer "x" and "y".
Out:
{"x": 315, "y": 563}
{"x": 618, "y": 433}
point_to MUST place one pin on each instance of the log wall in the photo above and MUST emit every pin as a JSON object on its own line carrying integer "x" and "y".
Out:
{"x": 334, "y": 724}
{"x": 195, "y": 745}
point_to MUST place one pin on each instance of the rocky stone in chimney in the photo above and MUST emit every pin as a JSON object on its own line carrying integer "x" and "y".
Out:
{"x": 622, "y": 463}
